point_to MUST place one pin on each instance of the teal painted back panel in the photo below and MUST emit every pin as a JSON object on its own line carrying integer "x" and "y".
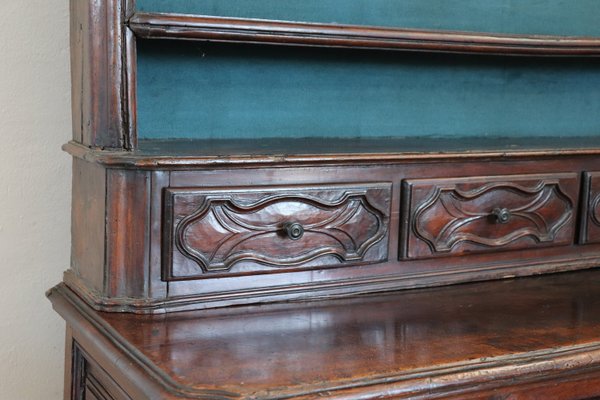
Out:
{"x": 559, "y": 17}
{"x": 191, "y": 90}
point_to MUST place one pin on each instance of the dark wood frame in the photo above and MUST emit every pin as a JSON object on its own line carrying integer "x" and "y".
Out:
{"x": 118, "y": 265}
{"x": 103, "y": 74}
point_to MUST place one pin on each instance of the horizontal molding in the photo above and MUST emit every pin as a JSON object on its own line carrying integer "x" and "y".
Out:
{"x": 175, "y": 154}
{"x": 329, "y": 290}
{"x": 218, "y": 29}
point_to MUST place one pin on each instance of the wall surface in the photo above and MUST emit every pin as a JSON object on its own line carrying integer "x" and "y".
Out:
{"x": 35, "y": 189}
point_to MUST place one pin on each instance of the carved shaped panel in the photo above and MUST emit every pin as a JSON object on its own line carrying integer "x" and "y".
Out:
{"x": 237, "y": 231}
{"x": 456, "y": 216}
{"x": 590, "y": 224}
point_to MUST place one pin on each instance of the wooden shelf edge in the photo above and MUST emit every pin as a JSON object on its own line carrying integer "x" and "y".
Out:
{"x": 219, "y": 29}
{"x": 192, "y": 154}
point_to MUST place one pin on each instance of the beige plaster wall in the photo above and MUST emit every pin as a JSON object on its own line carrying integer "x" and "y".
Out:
{"x": 34, "y": 194}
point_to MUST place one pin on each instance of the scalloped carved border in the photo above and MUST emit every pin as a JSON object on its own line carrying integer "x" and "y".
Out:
{"x": 448, "y": 239}
{"x": 595, "y": 211}
{"x": 590, "y": 218}
{"x": 449, "y": 198}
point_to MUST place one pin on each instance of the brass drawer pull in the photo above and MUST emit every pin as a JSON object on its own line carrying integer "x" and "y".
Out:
{"x": 502, "y": 215}
{"x": 294, "y": 230}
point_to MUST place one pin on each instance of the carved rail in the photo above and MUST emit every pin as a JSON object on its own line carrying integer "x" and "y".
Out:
{"x": 205, "y": 28}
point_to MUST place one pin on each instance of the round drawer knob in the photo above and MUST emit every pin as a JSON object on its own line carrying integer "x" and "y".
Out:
{"x": 294, "y": 230}
{"x": 502, "y": 215}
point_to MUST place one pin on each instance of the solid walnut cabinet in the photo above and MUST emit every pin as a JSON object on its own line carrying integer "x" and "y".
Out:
{"x": 253, "y": 198}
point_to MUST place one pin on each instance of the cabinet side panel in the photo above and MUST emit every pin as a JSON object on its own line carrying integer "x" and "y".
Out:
{"x": 70, "y": 366}
{"x": 97, "y": 42}
{"x": 77, "y": 29}
{"x": 88, "y": 223}
{"x": 128, "y": 233}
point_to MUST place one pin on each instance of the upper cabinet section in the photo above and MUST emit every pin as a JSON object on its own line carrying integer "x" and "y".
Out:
{"x": 254, "y": 69}
{"x": 525, "y": 17}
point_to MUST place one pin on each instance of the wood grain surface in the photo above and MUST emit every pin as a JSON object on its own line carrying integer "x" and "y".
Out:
{"x": 514, "y": 338}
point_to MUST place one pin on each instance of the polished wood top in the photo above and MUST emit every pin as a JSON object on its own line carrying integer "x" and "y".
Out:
{"x": 500, "y": 328}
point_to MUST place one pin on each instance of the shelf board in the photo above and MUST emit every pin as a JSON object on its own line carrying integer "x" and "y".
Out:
{"x": 183, "y": 153}
{"x": 237, "y": 30}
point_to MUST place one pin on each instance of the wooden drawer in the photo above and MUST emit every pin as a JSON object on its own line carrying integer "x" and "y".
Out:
{"x": 590, "y": 226}
{"x": 482, "y": 214}
{"x": 227, "y": 231}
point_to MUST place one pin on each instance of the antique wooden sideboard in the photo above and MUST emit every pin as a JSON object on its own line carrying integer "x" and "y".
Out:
{"x": 383, "y": 199}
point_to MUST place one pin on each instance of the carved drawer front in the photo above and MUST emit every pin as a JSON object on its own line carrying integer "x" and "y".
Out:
{"x": 460, "y": 215}
{"x": 207, "y": 232}
{"x": 590, "y": 226}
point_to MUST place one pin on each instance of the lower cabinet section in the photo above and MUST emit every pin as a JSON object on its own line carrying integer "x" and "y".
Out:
{"x": 520, "y": 339}
{"x": 90, "y": 381}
